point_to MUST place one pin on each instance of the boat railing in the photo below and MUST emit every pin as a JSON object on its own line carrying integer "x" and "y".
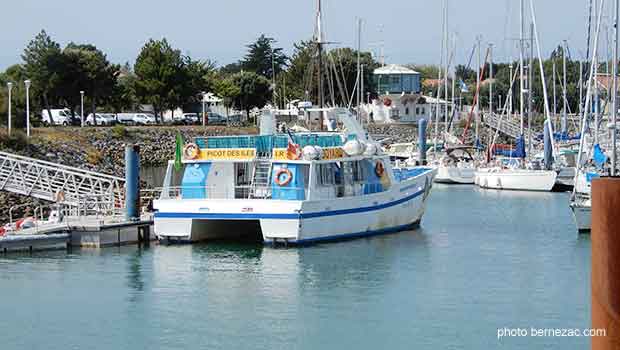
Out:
{"x": 232, "y": 192}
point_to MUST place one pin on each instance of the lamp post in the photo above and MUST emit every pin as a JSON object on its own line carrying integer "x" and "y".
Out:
{"x": 204, "y": 112}
{"x": 82, "y": 110}
{"x": 27, "y": 83}
{"x": 10, "y": 86}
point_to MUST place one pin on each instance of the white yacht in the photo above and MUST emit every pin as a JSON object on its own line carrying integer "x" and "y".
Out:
{"x": 289, "y": 188}
{"x": 458, "y": 166}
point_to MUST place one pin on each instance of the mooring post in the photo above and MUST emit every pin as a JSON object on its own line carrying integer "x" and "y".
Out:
{"x": 422, "y": 140}
{"x": 132, "y": 182}
{"x": 605, "y": 262}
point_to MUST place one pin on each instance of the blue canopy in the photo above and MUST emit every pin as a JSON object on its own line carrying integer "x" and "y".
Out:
{"x": 598, "y": 156}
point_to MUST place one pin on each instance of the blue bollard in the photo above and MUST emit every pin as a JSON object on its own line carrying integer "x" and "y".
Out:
{"x": 132, "y": 182}
{"x": 548, "y": 148}
{"x": 422, "y": 140}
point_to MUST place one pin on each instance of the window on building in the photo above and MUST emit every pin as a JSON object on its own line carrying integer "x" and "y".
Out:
{"x": 423, "y": 110}
{"x": 417, "y": 111}
{"x": 395, "y": 80}
{"x": 407, "y": 111}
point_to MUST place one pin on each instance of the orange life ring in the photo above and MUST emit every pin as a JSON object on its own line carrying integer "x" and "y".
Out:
{"x": 387, "y": 102}
{"x": 283, "y": 181}
{"x": 191, "y": 151}
{"x": 379, "y": 169}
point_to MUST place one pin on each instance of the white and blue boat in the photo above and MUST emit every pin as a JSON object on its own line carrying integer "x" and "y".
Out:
{"x": 290, "y": 188}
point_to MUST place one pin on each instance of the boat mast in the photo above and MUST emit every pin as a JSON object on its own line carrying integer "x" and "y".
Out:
{"x": 530, "y": 92}
{"x": 359, "y": 49}
{"x": 319, "y": 42}
{"x": 614, "y": 101}
{"x": 447, "y": 51}
{"x": 453, "y": 81}
{"x": 490, "y": 78}
{"x": 564, "y": 107}
{"x": 522, "y": 88}
{"x": 478, "y": 77}
{"x": 596, "y": 94}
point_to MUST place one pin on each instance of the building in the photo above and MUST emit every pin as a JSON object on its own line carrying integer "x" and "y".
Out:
{"x": 395, "y": 79}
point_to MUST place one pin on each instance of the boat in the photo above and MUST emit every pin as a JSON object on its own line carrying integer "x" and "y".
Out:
{"x": 289, "y": 188}
{"x": 457, "y": 166}
{"x": 517, "y": 179}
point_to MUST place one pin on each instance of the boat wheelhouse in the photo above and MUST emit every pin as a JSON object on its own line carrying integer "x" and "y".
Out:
{"x": 289, "y": 188}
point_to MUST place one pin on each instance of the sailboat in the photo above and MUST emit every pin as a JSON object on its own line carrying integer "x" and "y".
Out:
{"x": 522, "y": 175}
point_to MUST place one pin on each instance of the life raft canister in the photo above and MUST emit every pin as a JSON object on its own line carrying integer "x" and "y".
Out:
{"x": 379, "y": 169}
{"x": 283, "y": 177}
{"x": 191, "y": 151}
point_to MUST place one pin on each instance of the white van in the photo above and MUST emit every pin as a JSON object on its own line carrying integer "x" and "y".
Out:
{"x": 59, "y": 117}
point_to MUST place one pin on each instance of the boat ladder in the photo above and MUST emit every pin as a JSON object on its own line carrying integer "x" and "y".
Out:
{"x": 261, "y": 178}
{"x": 57, "y": 183}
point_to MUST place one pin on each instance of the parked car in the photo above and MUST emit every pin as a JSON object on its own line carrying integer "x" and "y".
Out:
{"x": 216, "y": 119}
{"x": 101, "y": 119}
{"x": 136, "y": 119}
{"x": 186, "y": 119}
{"x": 59, "y": 117}
{"x": 144, "y": 119}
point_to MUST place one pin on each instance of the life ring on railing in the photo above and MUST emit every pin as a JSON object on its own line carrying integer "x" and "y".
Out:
{"x": 387, "y": 102}
{"x": 283, "y": 177}
{"x": 379, "y": 169}
{"x": 191, "y": 151}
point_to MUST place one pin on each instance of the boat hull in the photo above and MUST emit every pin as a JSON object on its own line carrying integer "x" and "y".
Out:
{"x": 455, "y": 175}
{"x": 583, "y": 218}
{"x": 296, "y": 222}
{"x": 518, "y": 180}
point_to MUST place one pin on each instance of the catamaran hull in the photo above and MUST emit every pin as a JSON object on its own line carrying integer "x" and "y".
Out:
{"x": 296, "y": 222}
{"x": 583, "y": 218}
{"x": 455, "y": 175}
{"x": 517, "y": 180}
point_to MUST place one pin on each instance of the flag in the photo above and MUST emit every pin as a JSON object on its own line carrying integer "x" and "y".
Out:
{"x": 293, "y": 151}
{"x": 178, "y": 152}
{"x": 463, "y": 86}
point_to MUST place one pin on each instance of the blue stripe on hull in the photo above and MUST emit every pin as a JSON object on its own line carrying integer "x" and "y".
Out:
{"x": 350, "y": 236}
{"x": 250, "y": 216}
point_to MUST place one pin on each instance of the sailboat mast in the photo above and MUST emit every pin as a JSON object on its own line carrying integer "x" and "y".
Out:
{"x": 614, "y": 89}
{"x": 359, "y": 77}
{"x": 490, "y": 78}
{"x": 478, "y": 90}
{"x": 530, "y": 91}
{"x": 521, "y": 73}
{"x": 564, "y": 92}
{"x": 319, "y": 42}
{"x": 447, "y": 50}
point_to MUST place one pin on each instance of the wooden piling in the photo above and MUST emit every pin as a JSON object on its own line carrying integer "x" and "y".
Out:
{"x": 606, "y": 262}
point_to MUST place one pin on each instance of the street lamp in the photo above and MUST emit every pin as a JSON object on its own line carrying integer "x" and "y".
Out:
{"x": 27, "y": 83}
{"x": 10, "y": 86}
{"x": 204, "y": 115}
{"x": 82, "y": 109}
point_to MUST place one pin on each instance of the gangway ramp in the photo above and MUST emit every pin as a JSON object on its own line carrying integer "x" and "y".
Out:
{"x": 55, "y": 182}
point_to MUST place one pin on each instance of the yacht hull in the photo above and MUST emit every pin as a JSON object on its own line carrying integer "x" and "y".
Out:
{"x": 583, "y": 217}
{"x": 518, "y": 180}
{"x": 455, "y": 175}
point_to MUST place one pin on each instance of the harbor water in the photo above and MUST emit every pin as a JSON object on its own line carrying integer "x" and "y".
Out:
{"x": 481, "y": 261}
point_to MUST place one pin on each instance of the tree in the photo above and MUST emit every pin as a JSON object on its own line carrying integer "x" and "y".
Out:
{"x": 43, "y": 64}
{"x": 228, "y": 91}
{"x": 262, "y": 58}
{"x": 198, "y": 76}
{"x": 123, "y": 96}
{"x": 253, "y": 90}
{"x": 15, "y": 74}
{"x": 86, "y": 68}
{"x": 159, "y": 73}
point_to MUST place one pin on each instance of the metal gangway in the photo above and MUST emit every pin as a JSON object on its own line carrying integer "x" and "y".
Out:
{"x": 504, "y": 125}
{"x": 57, "y": 183}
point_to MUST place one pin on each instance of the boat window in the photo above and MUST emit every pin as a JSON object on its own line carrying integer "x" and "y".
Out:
{"x": 359, "y": 171}
{"x": 243, "y": 174}
{"x": 326, "y": 174}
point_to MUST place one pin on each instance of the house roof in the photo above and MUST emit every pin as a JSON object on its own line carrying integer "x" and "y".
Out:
{"x": 394, "y": 69}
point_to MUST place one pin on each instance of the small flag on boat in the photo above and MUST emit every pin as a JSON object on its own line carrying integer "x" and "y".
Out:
{"x": 293, "y": 151}
{"x": 178, "y": 152}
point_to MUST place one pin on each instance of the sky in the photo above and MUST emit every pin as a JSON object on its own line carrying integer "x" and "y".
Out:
{"x": 409, "y": 30}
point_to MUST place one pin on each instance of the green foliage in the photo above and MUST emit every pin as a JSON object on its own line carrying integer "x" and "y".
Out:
{"x": 15, "y": 74}
{"x": 16, "y": 142}
{"x": 262, "y": 58}
{"x": 119, "y": 131}
{"x": 253, "y": 90}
